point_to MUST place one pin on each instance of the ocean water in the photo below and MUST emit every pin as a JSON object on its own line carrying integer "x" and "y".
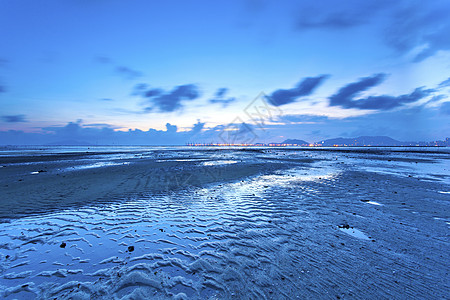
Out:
{"x": 260, "y": 223}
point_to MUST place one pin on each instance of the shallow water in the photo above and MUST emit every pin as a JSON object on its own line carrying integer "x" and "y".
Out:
{"x": 273, "y": 235}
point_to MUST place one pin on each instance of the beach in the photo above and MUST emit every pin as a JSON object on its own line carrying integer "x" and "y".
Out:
{"x": 224, "y": 223}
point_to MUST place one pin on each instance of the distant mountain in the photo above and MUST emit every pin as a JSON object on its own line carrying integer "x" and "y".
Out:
{"x": 295, "y": 142}
{"x": 363, "y": 141}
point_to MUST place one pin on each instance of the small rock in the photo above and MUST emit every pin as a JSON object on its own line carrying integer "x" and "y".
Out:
{"x": 130, "y": 248}
{"x": 345, "y": 226}
{"x": 63, "y": 245}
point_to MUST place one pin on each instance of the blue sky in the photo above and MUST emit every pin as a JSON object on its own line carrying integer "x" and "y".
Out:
{"x": 78, "y": 69}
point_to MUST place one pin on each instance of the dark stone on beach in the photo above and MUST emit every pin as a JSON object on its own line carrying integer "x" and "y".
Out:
{"x": 345, "y": 226}
{"x": 63, "y": 245}
{"x": 130, "y": 248}
{"x": 7, "y": 256}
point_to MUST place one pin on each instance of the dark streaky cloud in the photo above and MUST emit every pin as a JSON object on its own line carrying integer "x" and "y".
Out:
{"x": 407, "y": 25}
{"x": 219, "y": 97}
{"x": 303, "y": 88}
{"x": 125, "y": 72}
{"x": 326, "y": 15}
{"x": 128, "y": 73}
{"x": 167, "y": 101}
{"x": 103, "y": 59}
{"x": 444, "y": 83}
{"x": 221, "y": 92}
{"x": 14, "y": 118}
{"x": 345, "y": 96}
{"x": 420, "y": 24}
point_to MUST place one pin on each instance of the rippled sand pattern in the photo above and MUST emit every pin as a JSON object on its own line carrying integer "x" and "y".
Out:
{"x": 270, "y": 236}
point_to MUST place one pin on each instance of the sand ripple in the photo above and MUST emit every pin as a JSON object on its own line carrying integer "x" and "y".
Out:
{"x": 270, "y": 236}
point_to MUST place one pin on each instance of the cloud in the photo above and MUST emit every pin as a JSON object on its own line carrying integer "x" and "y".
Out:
{"x": 444, "y": 83}
{"x": 125, "y": 72}
{"x": 104, "y": 134}
{"x": 103, "y": 59}
{"x": 221, "y": 92}
{"x": 418, "y": 123}
{"x": 423, "y": 24}
{"x": 166, "y": 101}
{"x": 14, "y": 118}
{"x": 303, "y": 88}
{"x": 445, "y": 108}
{"x": 128, "y": 73}
{"x": 345, "y": 96}
{"x": 106, "y": 99}
{"x": 219, "y": 97}
{"x": 328, "y": 15}
{"x": 403, "y": 25}
{"x": 302, "y": 119}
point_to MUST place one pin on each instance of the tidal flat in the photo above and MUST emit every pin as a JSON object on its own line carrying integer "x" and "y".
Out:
{"x": 224, "y": 223}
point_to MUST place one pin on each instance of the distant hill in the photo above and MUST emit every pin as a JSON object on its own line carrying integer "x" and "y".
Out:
{"x": 363, "y": 141}
{"x": 295, "y": 142}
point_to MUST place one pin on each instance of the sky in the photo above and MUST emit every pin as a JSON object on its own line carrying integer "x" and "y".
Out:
{"x": 172, "y": 72}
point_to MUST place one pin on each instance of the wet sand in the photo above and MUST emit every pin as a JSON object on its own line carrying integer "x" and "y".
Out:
{"x": 24, "y": 193}
{"x": 267, "y": 225}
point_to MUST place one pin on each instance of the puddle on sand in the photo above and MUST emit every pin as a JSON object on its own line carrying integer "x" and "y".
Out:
{"x": 97, "y": 165}
{"x": 355, "y": 233}
{"x": 218, "y": 162}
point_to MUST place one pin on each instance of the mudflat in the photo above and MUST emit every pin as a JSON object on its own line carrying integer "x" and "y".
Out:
{"x": 207, "y": 224}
